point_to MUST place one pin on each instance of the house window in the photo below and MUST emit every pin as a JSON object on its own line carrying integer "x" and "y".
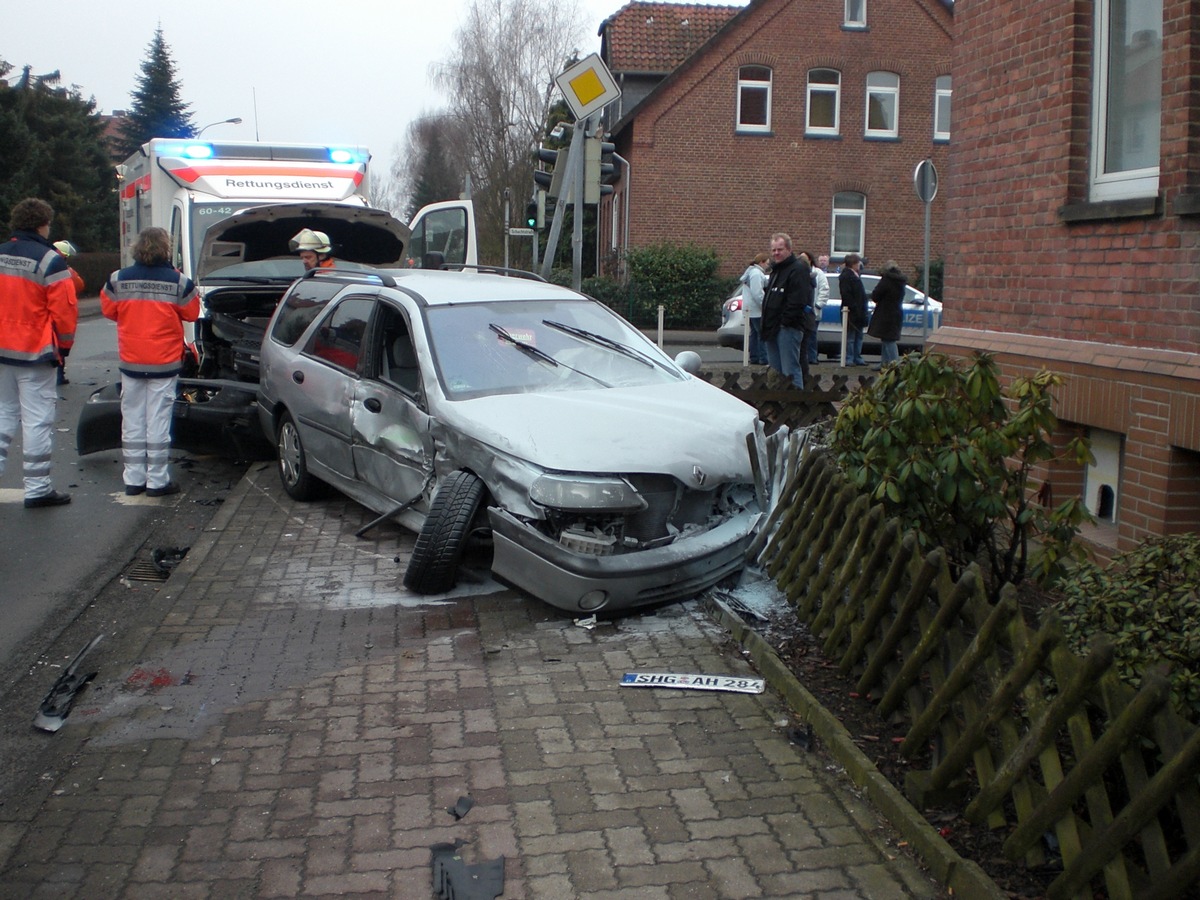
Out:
{"x": 856, "y": 14}
{"x": 883, "y": 101}
{"x": 1127, "y": 99}
{"x": 824, "y": 101}
{"x": 849, "y": 223}
{"x": 754, "y": 99}
{"x": 941, "y": 109}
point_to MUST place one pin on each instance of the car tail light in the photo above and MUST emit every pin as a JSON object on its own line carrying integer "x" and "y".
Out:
{"x": 733, "y": 304}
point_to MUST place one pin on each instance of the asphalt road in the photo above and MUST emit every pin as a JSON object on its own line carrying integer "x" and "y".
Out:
{"x": 55, "y": 561}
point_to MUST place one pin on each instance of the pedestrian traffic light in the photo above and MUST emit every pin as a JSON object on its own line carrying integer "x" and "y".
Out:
{"x": 531, "y": 214}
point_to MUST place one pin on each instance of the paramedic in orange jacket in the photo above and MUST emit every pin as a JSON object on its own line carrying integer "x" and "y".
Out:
{"x": 38, "y": 314}
{"x": 149, "y": 301}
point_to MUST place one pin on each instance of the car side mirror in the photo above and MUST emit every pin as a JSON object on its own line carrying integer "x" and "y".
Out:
{"x": 689, "y": 361}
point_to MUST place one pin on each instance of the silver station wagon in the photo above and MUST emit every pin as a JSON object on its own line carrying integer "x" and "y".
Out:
{"x": 480, "y": 404}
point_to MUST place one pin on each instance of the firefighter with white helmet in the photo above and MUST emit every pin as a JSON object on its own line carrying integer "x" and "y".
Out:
{"x": 314, "y": 249}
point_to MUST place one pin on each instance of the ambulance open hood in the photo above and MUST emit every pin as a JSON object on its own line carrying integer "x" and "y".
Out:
{"x": 358, "y": 234}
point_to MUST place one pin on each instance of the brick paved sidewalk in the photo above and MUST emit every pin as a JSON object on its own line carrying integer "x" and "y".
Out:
{"x": 299, "y": 725}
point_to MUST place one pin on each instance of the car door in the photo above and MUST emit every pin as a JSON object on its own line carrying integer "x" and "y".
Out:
{"x": 392, "y": 447}
{"x": 322, "y": 384}
{"x": 446, "y": 229}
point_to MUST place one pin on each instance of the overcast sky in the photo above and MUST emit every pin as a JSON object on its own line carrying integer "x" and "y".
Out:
{"x": 334, "y": 71}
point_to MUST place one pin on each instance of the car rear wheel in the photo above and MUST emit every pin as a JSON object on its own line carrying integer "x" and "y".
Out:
{"x": 433, "y": 568}
{"x": 293, "y": 462}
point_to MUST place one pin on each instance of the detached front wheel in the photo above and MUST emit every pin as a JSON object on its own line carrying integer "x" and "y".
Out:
{"x": 293, "y": 461}
{"x": 438, "y": 551}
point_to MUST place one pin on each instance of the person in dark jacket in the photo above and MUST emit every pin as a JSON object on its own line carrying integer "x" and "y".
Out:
{"x": 854, "y": 301}
{"x": 788, "y": 315}
{"x": 888, "y": 317}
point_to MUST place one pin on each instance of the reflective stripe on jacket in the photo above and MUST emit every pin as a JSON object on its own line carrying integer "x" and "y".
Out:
{"x": 38, "y": 306}
{"x": 150, "y": 305}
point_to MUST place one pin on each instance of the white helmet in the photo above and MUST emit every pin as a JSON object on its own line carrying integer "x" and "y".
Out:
{"x": 307, "y": 239}
{"x": 66, "y": 248}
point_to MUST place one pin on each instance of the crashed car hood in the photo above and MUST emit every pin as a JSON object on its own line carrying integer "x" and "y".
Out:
{"x": 669, "y": 428}
{"x": 358, "y": 234}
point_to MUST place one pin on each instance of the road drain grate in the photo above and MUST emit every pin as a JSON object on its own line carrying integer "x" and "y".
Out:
{"x": 144, "y": 570}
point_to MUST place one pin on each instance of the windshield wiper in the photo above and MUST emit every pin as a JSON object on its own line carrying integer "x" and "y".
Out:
{"x": 540, "y": 355}
{"x": 607, "y": 342}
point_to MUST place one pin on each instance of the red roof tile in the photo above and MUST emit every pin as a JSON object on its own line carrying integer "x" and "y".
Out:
{"x": 657, "y": 37}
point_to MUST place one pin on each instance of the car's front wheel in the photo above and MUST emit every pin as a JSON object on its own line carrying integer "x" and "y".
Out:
{"x": 433, "y": 568}
{"x": 293, "y": 461}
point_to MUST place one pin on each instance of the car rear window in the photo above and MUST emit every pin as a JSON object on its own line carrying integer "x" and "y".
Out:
{"x": 302, "y": 304}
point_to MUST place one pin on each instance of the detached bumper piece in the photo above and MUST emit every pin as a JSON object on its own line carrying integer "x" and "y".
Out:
{"x": 210, "y": 418}
{"x": 56, "y": 705}
{"x": 453, "y": 879}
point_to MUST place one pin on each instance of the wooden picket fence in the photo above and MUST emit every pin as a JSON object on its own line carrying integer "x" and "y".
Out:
{"x": 1002, "y": 716}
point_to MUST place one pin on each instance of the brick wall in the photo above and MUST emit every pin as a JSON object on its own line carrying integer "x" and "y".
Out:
{"x": 1110, "y": 298}
{"x": 694, "y": 179}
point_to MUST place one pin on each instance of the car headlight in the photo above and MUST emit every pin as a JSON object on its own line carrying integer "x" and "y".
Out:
{"x": 582, "y": 494}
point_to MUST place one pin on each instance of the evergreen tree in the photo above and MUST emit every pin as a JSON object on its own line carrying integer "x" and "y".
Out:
{"x": 157, "y": 109}
{"x": 51, "y": 141}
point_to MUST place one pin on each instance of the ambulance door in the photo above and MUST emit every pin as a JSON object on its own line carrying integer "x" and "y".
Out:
{"x": 446, "y": 228}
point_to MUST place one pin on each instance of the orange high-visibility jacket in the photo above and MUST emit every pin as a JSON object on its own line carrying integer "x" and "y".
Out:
{"x": 150, "y": 305}
{"x": 38, "y": 306}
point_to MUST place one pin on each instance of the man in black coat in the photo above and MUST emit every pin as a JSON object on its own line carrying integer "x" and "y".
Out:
{"x": 854, "y": 301}
{"x": 787, "y": 316}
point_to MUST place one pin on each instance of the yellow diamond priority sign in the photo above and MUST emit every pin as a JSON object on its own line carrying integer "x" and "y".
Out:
{"x": 588, "y": 86}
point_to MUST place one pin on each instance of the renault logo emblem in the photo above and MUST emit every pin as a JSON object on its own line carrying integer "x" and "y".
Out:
{"x": 699, "y": 475}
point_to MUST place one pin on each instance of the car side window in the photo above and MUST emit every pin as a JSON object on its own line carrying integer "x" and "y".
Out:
{"x": 304, "y": 302}
{"x": 339, "y": 338}
{"x": 395, "y": 352}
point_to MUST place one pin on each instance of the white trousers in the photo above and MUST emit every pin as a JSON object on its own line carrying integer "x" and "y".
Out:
{"x": 146, "y": 429}
{"x": 28, "y": 396}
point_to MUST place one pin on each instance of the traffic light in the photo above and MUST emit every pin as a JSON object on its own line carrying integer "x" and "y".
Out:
{"x": 600, "y": 169}
{"x": 552, "y": 182}
{"x": 531, "y": 214}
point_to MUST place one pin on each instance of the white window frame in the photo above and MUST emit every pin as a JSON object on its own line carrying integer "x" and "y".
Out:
{"x": 856, "y": 14}
{"x": 824, "y": 87}
{"x": 888, "y": 93}
{"x": 1120, "y": 184}
{"x": 746, "y": 84}
{"x": 848, "y": 212}
{"x": 942, "y": 106}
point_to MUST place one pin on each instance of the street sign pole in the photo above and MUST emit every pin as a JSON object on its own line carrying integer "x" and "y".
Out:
{"x": 925, "y": 183}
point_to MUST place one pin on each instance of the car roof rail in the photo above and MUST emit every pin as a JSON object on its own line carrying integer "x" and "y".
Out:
{"x": 492, "y": 270}
{"x": 351, "y": 276}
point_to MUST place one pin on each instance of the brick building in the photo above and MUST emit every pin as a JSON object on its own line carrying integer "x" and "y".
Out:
{"x": 806, "y": 116}
{"x": 1073, "y": 201}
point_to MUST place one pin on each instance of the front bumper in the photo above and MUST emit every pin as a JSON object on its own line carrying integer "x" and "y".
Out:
{"x": 579, "y": 583}
{"x": 209, "y": 417}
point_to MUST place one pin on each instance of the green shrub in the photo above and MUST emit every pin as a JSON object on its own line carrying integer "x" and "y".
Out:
{"x": 682, "y": 279}
{"x": 1147, "y": 601}
{"x": 946, "y": 451}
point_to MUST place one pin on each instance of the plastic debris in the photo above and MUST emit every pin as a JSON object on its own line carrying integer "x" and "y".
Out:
{"x": 462, "y": 807}
{"x": 453, "y": 879}
{"x": 167, "y": 558}
{"x": 56, "y": 705}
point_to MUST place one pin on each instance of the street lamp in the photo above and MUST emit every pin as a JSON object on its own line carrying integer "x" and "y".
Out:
{"x": 237, "y": 120}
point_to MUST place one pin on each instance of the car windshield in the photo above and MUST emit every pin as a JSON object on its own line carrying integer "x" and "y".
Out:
{"x": 532, "y": 346}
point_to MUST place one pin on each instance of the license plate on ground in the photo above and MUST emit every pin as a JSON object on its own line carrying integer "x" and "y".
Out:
{"x": 735, "y": 683}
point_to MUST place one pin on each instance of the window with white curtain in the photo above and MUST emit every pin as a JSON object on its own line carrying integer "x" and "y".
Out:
{"x": 1127, "y": 98}
{"x": 849, "y": 223}
{"x": 941, "y": 108}
{"x": 856, "y": 13}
